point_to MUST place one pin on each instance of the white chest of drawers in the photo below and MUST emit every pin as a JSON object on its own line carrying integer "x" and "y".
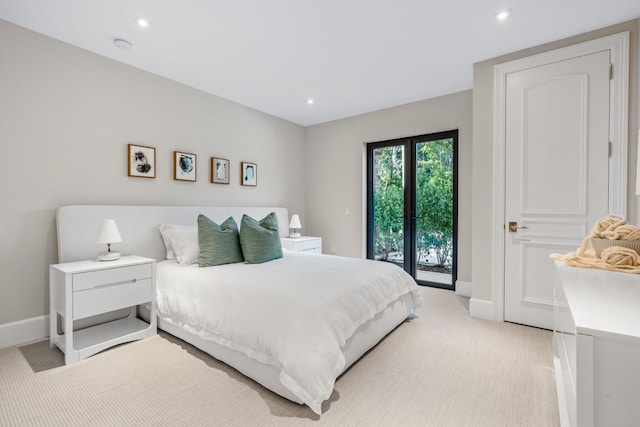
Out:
{"x": 303, "y": 244}
{"x": 597, "y": 346}
{"x": 78, "y": 290}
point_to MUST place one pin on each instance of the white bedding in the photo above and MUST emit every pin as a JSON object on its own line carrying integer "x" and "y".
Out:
{"x": 294, "y": 313}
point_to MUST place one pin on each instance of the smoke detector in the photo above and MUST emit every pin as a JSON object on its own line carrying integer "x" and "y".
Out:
{"x": 122, "y": 44}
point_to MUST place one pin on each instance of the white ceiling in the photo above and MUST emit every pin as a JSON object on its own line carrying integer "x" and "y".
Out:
{"x": 350, "y": 56}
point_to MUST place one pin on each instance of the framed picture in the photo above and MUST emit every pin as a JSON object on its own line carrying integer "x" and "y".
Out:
{"x": 219, "y": 171}
{"x": 248, "y": 174}
{"x": 142, "y": 161}
{"x": 184, "y": 166}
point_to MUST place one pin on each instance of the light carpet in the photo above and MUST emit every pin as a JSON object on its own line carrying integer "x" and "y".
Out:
{"x": 443, "y": 368}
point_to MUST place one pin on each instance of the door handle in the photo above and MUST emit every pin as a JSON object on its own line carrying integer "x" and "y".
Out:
{"x": 514, "y": 227}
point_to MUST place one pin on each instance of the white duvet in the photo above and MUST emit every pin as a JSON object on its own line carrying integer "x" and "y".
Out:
{"x": 294, "y": 313}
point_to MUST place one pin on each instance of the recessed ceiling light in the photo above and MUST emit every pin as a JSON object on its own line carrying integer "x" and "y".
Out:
{"x": 309, "y": 101}
{"x": 122, "y": 44}
{"x": 503, "y": 15}
{"x": 143, "y": 22}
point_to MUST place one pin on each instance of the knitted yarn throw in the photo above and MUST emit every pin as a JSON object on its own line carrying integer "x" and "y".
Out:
{"x": 614, "y": 258}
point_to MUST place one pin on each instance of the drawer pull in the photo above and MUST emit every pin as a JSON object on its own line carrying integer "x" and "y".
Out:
{"x": 108, "y": 285}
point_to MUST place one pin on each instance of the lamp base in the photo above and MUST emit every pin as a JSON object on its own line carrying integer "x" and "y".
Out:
{"x": 108, "y": 256}
{"x": 294, "y": 235}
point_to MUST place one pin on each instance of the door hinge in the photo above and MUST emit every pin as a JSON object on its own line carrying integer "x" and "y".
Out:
{"x": 610, "y": 71}
{"x": 610, "y": 148}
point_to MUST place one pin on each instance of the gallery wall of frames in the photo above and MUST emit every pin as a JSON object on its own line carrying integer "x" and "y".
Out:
{"x": 142, "y": 163}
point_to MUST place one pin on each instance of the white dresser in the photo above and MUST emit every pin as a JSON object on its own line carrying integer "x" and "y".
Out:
{"x": 303, "y": 244}
{"x": 597, "y": 346}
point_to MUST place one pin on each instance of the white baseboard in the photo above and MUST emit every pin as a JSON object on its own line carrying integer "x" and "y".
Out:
{"x": 37, "y": 328}
{"x": 24, "y": 331}
{"x": 463, "y": 288}
{"x": 481, "y": 308}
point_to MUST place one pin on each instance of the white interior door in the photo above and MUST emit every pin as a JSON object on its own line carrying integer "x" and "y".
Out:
{"x": 556, "y": 174}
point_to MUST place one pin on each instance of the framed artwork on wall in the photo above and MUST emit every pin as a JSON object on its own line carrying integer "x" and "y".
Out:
{"x": 142, "y": 161}
{"x": 219, "y": 171}
{"x": 184, "y": 166}
{"x": 248, "y": 174}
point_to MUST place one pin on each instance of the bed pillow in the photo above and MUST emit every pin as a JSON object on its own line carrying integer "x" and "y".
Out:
{"x": 167, "y": 241}
{"x": 260, "y": 240}
{"x": 184, "y": 242}
{"x": 219, "y": 244}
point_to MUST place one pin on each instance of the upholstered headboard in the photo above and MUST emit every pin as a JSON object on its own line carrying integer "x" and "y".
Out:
{"x": 78, "y": 226}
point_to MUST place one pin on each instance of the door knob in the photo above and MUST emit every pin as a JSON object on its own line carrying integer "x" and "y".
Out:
{"x": 514, "y": 227}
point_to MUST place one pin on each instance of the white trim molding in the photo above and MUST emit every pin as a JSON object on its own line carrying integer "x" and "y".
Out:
{"x": 24, "y": 331}
{"x": 481, "y": 308}
{"x": 618, "y": 44}
{"x": 463, "y": 288}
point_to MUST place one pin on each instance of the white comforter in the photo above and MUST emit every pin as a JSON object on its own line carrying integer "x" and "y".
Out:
{"x": 294, "y": 313}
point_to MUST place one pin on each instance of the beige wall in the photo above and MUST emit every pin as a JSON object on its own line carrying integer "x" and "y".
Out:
{"x": 66, "y": 116}
{"x": 482, "y": 198}
{"x": 336, "y": 170}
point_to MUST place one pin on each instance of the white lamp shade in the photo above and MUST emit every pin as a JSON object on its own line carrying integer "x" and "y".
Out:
{"x": 295, "y": 222}
{"x": 109, "y": 232}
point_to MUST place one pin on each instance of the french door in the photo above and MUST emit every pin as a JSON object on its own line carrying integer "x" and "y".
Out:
{"x": 412, "y": 205}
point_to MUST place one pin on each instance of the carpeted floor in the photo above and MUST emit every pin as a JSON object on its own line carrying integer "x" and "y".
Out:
{"x": 443, "y": 368}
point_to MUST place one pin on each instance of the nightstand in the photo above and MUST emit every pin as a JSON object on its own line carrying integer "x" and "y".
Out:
{"x": 78, "y": 290}
{"x": 303, "y": 244}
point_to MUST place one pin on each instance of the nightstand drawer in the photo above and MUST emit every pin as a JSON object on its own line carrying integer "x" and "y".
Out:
{"x": 302, "y": 244}
{"x": 314, "y": 250}
{"x": 98, "y": 278}
{"x": 111, "y": 297}
{"x": 309, "y": 246}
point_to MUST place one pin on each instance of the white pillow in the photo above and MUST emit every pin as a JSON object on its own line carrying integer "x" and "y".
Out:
{"x": 165, "y": 238}
{"x": 184, "y": 242}
{"x": 166, "y": 233}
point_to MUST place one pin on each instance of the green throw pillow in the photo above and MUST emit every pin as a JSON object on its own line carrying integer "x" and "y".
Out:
{"x": 219, "y": 244}
{"x": 260, "y": 240}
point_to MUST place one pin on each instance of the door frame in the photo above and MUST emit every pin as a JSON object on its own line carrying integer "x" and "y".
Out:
{"x": 618, "y": 44}
{"x": 409, "y": 175}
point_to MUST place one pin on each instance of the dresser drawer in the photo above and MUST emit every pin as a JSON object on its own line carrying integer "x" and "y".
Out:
{"x": 111, "y": 297}
{"x": 98, "y": 278}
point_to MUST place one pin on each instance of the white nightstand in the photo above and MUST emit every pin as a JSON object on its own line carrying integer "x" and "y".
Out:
{"x": 78, "y": 290}
{"x": 303, "y": 244}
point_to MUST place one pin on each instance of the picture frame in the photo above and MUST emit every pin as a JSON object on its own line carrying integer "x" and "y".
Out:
{"x": 141, "y": 161}
{"x": 219, "y": 171}
{"x": 248, "y": 174}
{"x": 184, "y": 166}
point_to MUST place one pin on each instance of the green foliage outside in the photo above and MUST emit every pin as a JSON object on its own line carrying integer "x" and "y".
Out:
{"x": 388, "y": 202}
{"x": 434, "y": 200}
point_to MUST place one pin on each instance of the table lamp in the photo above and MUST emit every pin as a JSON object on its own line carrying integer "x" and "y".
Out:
{"x": 109, "y": 234}
{"x": 294, "y": 225}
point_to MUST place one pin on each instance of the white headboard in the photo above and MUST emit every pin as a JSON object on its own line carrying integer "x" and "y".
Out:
{"x": 78, "y": 226}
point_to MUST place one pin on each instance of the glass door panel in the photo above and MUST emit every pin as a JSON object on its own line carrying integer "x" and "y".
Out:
{"x": 387, "y": 190}
{"x": 434, "y": 207}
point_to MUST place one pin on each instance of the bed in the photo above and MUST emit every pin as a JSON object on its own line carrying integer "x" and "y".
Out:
{"x": 292, "y": 324}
